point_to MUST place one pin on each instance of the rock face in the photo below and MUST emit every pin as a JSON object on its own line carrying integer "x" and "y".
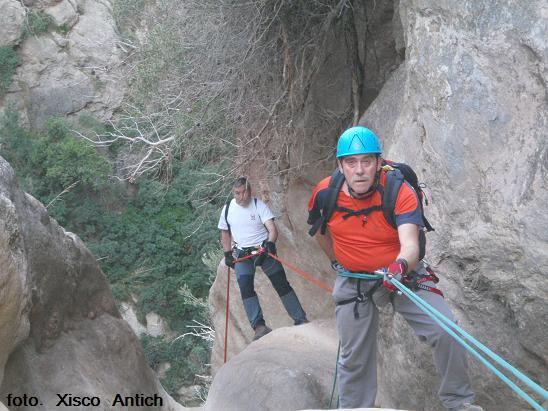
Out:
{"x": 472, "y": 119}
{"x": 290, "y": 368}
{"x": 467, "y": 109}
{"x": 74, "y": 67}
{"x": 11, "y": 21}
{"x": 60, "y": 330}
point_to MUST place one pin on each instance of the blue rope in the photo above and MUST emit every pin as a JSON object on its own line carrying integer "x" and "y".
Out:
{"x": 363, "y": 276}
{"x": 441, "y": 319}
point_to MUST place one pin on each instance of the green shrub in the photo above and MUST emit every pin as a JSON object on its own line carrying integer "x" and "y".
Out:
{"x": 8, "y": 63}
{"x": 186, "y": 357}
{"x": 127, "y": 14}
{"x": 150, "y": 244}
{"x": 37, "y": 23}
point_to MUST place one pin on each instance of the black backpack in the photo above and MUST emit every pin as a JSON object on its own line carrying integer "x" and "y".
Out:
{"x": 396, "y": 173}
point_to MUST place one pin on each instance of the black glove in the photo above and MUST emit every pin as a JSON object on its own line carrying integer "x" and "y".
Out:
{"x": 229, "y": 259}
{"x": 269, "y": 246}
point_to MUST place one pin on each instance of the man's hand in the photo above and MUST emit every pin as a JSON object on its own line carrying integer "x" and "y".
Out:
{"x": 229, "y": 259}
{"x": 269, "y": 246}
{"x": 396, "y": 270}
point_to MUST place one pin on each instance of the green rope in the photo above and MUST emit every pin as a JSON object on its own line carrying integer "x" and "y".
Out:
{"x": 335, "y": 380}
{"x": 362, "y": 276}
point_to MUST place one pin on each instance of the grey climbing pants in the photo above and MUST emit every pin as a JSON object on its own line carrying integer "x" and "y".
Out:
{"x": 245, "y": 274}
{"x": 357, "y": 364}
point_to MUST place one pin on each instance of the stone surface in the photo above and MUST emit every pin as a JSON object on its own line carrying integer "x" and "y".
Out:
{"x": 12, "y": 19}
{"x": 77, "y": 342}
{"x": 127, "y": 311}
{"x": 291, "y": 368}
{"x": 73, "y": 73}
{"x": 467, "y": 109}
{"x": 63, "y": 13}
{"x": 15, "y": 290}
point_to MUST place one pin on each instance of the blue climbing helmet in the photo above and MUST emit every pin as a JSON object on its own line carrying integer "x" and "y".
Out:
{"x": 358, "y": 140}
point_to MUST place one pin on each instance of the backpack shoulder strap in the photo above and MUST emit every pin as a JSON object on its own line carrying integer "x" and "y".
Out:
{"x": 256, "y": 210}
{"x": 393, "y": 181}
{"x": 335, "y": 184}
{"x": 227, "y": 205}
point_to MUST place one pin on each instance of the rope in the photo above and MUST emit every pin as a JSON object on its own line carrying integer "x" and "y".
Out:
{"x": 228, "y": 300}
{"x": 363, "y": 276}
{"x": 335, "y": 379}
{"x": 226, "y": 313}
{"x": 302, "y": 274}
{"x": 439, "y": 318}
{"x": 445, "y": 323}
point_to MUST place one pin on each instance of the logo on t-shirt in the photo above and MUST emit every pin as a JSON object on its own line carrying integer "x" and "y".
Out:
{"x": 252, "y": 216}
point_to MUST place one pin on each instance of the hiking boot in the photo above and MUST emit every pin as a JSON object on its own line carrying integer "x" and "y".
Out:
{"x": 467, "y": 407}
{"x": 299, "y": 322}
{"x": 261, "y": 331}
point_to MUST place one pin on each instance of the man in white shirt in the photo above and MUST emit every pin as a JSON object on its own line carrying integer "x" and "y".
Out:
{"x": 249, "y": 223}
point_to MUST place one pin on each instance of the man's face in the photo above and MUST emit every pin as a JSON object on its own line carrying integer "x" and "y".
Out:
{"x": 242, "y": 195}
{"x": 359, "y": 171}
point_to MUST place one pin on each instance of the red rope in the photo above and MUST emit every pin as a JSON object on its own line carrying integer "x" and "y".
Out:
{"x": 226, "y": 315}
{"x": 275, "y": 257}
{"x": 303, "y": 274}
{"x": 227, "y": 301}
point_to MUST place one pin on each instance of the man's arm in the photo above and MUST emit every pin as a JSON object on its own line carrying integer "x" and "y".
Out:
{"x": 272, "y": 230}
{"x": 326, "y": 244}
{"x": 409, "y": 244}
{"x": 226, "y": 240}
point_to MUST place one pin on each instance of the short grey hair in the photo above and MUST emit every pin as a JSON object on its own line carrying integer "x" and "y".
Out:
{"x": 242, "y": 181}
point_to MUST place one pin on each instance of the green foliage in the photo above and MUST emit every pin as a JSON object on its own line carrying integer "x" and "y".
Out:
{"x": 127, "y": 14}
{"x": 186, "y": 357}
{"x": 37, "y": 23}
{"x": 161, "y": 58}
{"x": 8, "y": 63}
{"x": 63, "y": 29}
{"x": 150, "y": 244}
{"x": 58, "y": 169}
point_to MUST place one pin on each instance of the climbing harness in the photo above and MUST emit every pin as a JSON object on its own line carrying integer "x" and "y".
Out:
{"x": 361, "y": 297}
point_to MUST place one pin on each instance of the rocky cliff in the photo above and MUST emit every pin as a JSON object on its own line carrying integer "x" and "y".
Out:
{"x": 69, "y": 64}
{"x": 466, "y": 107}
{"x": 60, "y": 330}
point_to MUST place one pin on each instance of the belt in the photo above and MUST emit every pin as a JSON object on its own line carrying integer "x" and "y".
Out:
{"x": 248, "y": 249}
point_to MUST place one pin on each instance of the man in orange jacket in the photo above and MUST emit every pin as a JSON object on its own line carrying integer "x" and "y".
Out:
{"x": 359, "y": 239}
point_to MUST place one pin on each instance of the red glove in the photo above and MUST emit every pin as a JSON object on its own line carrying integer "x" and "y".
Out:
{"x": 396, "y": 270}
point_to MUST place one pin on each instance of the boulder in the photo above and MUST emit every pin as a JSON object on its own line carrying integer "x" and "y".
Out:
{"x": 12, "y": 19}
{"x": 291, "y": 368}
{"x": 60, "y": 330}
{"x": 63, "y": 14}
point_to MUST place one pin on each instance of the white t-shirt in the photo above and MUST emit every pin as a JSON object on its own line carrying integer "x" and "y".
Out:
{"x": 246, "y": 223}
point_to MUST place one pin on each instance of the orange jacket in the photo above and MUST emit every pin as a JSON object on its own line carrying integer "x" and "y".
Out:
{"x": 364, "y": 244}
